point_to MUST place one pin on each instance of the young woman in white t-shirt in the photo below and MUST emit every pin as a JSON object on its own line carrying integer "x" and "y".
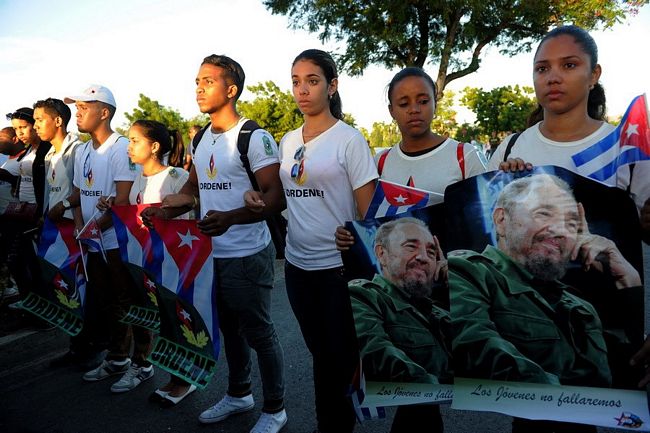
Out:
{"x": 149, "y": 142}
{"x": 570, "y": 116}
{"x": 423, "y": 159}
{"x": 328, "y": 176}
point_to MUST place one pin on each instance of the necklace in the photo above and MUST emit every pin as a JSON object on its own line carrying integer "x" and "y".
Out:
{"x": 218, "y": 135}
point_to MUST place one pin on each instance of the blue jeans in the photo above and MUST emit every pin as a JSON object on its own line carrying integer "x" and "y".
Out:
{"x": 321, "y": 303}
{"x": 243, "y": 288}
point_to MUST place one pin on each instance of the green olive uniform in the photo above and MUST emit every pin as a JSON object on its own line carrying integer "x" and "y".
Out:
{"x": 508, "y": 325}
{"x": 399, "y": 340}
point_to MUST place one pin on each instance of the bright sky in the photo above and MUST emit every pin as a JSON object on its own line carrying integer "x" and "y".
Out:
{"x": 155, "y": 47}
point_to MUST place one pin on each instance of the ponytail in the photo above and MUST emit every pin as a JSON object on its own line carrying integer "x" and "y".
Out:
{"x": 177, "y": 150}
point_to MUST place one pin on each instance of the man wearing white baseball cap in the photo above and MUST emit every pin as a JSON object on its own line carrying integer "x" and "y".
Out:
{"x": 94, "y": 93}
{"x": 103, "y": 170}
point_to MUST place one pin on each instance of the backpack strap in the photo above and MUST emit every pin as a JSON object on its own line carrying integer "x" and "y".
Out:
{"x": 197, "y": 137}
{"x": 243, "y": 142}
{"x": 460, "y": 155}
{"x": 382, "y": 161}
{"x": 511, "y": 143}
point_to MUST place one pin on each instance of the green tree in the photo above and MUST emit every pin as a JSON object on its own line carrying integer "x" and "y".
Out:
{"x": 451, "y": 34}
{"x": 384, "y": 135}
{"x": 444, "y": 123}
{"x": 152, "y": 110}
{"x": 273, "y": 109}
{"x": 501, "y": 110}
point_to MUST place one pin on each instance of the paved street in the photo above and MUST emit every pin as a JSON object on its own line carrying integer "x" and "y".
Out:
{"x": 37, "y": 399}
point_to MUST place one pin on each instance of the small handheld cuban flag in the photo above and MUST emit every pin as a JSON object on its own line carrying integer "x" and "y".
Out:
{"x": 393, "y": 199}
{"x": 627, "y": 144}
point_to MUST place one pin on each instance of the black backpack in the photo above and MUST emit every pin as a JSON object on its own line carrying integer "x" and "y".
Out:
{"x": 277, "y": 223}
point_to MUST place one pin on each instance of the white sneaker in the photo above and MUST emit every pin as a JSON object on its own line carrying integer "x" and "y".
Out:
{"x": 225, "y": 407}
{"x": 270, "y": 422}
{"x": 132, "y": 378}
{"x": 8, "y": 292}
{"x": 107, "y": 368}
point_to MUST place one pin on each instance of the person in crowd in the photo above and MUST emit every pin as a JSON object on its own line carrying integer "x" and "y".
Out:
{"x": 423, "y": 159}
{"x": 175, "y": 157}
{"x": 102, "y": 168}
{"x": 51, "y": 121}
{"x": 512, "y": 318}
{"x": 403, "y": 334}
{"x": 329, "y": 177}
{"x": 241, "y": 243}
{"x": 11, "y": 148}
{"x": 570, "y": 116}
{"x": 194, "y": 129}
{"x": 149, "y": 143}
{"x": 30, "y": 190}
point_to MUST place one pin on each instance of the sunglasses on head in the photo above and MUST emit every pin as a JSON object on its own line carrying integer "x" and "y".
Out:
{"x": 21, "y": 116}
{"x": 298, "y": 167}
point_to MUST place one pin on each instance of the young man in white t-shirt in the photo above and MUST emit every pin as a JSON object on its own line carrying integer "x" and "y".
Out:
{"x": 242, "y": 249}
{"x": 102, "y": 169}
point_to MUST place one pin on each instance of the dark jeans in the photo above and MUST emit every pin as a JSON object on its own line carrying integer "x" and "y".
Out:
{"x": 244, "y": 310}
{"x": 21, "y": 260}
{"x": 321, "y": 303}
{"x": 417, "y": 417}
{"x": 111, "y": 292}
{"x": 521, "y": 425}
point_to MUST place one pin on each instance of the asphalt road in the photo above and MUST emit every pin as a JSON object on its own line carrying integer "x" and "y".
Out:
{"x": 38, "y": 399}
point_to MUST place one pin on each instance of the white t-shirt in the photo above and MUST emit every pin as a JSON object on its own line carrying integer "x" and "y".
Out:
{"x": 533, "y": 147}
{"x": 432, "y": 171}
{"x": 26, "y": 188}
{"x": 223, "y": 182}
{"x": 95, "y": 174}
{"x": 336, "y": 163}
{"x": 152, "y": 189}
{"x": 5, "y": 187}
{"x": 59, "y": 169}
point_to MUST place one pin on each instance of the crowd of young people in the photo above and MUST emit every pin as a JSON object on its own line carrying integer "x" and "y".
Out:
{"x": 324, "y": 155}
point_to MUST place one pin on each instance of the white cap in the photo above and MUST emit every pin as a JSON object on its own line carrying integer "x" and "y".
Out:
{"x": 93, "y": 93}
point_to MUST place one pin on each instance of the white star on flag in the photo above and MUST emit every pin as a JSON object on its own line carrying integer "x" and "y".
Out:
{"x": 400, "y": 199}
{"x": 94, "y": 232}
{"x": 61, "y": 283}
{"x": 150, "y": 283}
{"x": 631, "y": 129}
{"x": 187, "y": 239}
{"x": 186, "y": 315}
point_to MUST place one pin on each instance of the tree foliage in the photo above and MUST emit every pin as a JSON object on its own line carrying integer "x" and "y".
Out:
{"x": 452, "y": 34}
{"x": 444, "y": 123}
{"x": 152, "y": 110}
{"x": 273, "y": 109}
{"x": 384, "y": 135}
{"x": 501, "y": 110}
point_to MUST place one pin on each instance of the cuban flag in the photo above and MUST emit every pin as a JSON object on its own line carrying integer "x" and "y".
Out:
{"x": 393, "y": 199}
{"x": 134, "y": 240}
{"x": 357, "y": 394}
{"x": 187, "y": 270}
{"x": 91, "y": 236}
{"x": 60, "y": 299}
{"x": 628, "y": 143}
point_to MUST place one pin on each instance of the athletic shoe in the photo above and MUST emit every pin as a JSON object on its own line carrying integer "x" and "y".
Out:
{"x": 227, "y": 406}
{"x": 18, "y": 305}
{"x": 8, "y": 292}
{"x": 107, "y": 368}
{"x": 270, "y": 422}
{"x": 132, "y": 378}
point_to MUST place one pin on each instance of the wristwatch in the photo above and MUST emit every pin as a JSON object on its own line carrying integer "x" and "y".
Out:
{"x": 66, "y": 204}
